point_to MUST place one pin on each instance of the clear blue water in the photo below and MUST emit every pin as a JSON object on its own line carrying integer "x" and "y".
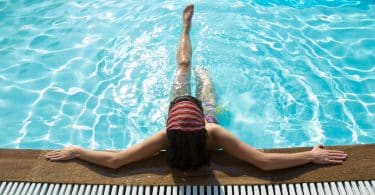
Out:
{"x": 98, "y": 73}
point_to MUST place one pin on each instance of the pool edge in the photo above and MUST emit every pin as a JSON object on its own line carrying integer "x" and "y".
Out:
{"x": 30, "y": 166}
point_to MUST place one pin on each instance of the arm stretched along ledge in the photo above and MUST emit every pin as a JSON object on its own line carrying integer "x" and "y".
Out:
{"x": 272, "y": 161}
{"x": 110, "y": 159}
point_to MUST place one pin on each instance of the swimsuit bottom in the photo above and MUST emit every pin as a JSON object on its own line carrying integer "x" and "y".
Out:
{"x": 210, "y": 110}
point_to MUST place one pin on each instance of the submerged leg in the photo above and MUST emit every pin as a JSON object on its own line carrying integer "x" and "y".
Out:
{"x": 206, "y": 93}
{"x": 181, "y": 85}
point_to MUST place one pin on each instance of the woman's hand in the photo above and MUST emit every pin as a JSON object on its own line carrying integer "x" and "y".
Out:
{"x": 323, "y": 156}
{"x": 64, "y": 154}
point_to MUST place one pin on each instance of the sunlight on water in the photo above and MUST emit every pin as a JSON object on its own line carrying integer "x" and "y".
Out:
{"x": 98, "y": 73}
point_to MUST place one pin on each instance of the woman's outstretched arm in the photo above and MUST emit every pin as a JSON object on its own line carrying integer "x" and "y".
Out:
{"x": 272, "y": 161}
{"x": 113, "y": 159}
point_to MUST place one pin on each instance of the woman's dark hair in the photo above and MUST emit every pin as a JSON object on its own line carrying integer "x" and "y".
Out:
{"x": 187, "y": 149}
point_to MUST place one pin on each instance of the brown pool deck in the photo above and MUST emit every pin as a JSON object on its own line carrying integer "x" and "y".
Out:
{"x": 30, "y": 166}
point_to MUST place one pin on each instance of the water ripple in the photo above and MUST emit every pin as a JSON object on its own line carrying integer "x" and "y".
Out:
{"x": 98, "y": 73}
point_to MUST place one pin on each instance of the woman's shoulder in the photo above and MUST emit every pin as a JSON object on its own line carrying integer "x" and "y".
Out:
{"x": 215, "y": 131}
{"x": 212, "y": 129}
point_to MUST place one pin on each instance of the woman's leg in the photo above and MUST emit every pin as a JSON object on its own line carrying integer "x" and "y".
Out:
{"x": 206, "y": 93}
{"x": 181, "y": 85}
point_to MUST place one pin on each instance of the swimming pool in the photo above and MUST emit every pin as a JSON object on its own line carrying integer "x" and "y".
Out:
{"x": 97, "y": 74}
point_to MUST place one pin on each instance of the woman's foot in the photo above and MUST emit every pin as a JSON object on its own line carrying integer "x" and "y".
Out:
{"x": 186, "y": 17}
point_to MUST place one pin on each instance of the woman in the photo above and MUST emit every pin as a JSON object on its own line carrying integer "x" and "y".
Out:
{"x": 192, "y": 130}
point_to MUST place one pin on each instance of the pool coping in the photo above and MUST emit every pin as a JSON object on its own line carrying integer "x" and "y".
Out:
{"x": 30, "y": 166}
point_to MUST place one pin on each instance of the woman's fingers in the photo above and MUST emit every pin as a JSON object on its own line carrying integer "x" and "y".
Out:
{"x": 57, "y": 155}
{"x": 336, "y": 151}
{"x": 337, "y": 154}
{"x": 53, "y": 152}
{"x": 52, "y": 155}
{"x": 55, "y": 158}
{"x": 64, "y": 154}
{"x": 337, "y": 157}
{"x": 326, "y": 156}
{"x": 335, "y": 161}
